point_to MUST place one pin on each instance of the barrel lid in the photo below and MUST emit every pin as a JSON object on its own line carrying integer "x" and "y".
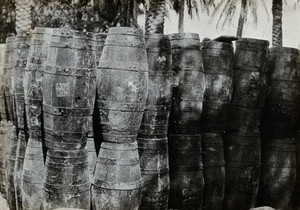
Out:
{"x": 185, "y": 36}
{"x": 254, "y": 41}
{"x": 125, "y": 31}
{"x": 284, "y": 50}
{"x": 217, "y": 45}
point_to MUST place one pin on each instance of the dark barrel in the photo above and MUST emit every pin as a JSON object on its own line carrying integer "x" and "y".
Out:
{"x": 21, "y": 148}
{"x": 243, "y": 161}
{"x": 34, "y": 172}
{"x": 185, "y": 154}
{"x": 278, "y": 173}
{"x": 68, "y": 89}
{"x": 158, "y": 104}
{"x": 249, "y": 85}
{"x": 296, "y": 201}
{"x": 155, "y": 172}
{"x": 281, "y": 113}
{"x": 154, "y": 127}
{"x": 186, "y": 171}
{"x": 67, "y": 182}
{"x": 122, "y": 85}
{"x": 218, "y": 68}
{"x": 7, "y": 72}
{"x": 2, "y": 86}
{"x": 10, "y": 170}
{"x": 213, "y": 171}
{"x": 117, "y": 182}
{"x": 22, "y": 43}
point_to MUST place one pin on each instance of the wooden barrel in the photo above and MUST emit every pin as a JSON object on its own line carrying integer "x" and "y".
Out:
{"x": 3, "y": 138}
{"x": 12, "y": 156}
{"x": 188, "y": 94}
{"x": 68, "y": 89}
{"x": 218, "y": 68}
{"x": 243, "y": 163}
{"x": 154, "y": 159}
{"x": 37, "y": 55}
{"x": 158, "y": 104}
{"x": 213, "y": 171}
{"x": 186, "y": 172}
{"x": 2, "y": 98}
{"x": 117, "y": 182}
{"x": 18, "y": 171}
{"x": 8, "y": 68}
{"x": 278, "y": 173}
{"x": 22, "y": 43}
{"x": 67, "y": 182}
{"x": 122, "y": 84}
{"x": 34, "y": 172}
{"x": 283, "y": 99}
{"x": 249, "y": 85}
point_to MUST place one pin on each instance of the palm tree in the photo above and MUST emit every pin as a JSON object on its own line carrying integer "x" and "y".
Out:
{"x": 229, "y": 10}
{"x": 277, "y": 23}
{"x": 155, "y": 17}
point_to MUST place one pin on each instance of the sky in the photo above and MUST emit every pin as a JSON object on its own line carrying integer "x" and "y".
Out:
{"x": 205, "y": 25}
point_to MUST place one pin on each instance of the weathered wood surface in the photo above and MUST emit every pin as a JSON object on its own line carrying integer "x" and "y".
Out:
{"x": 12, "y": 156}
{"x": 21, "y": 148}
{"x": 281, "y": 111}
{"x": 186, "y": 173}
{"x": 296, "y": 201}
{"x": 218, "y": 68}
{"x": 213, "y": 170}
{"x": 92, "y": 155}
{"x": 243, "y": 164}
{"x": 67, "y": 182}
{"x": 117, "y": 182}
{"x": 68, "y": 89}
{"x": 155, "y": 173}
{"x": 2, "y": 80}
{"x": 8, "y": 68}
{"x": 249, "y": 85}
{"x": 278, "y": 173}
{"x": 34, "y": 173}
{"x": 4, "y": 132}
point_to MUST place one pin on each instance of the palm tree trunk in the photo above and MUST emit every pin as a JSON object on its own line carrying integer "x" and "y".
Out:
{"x": 277, "y": 23}
{"x": 155, "y": 17}
{"x": 242, "y": 18}
{"x": 23, "y": 14}
{"x": 181, "y": 17}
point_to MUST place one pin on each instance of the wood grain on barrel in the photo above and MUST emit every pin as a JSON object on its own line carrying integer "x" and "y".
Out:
{"x": 218, "y": 68}
{"x": 152, "y": 137}
{"x": 2, "y": 80}
{"x": 117, "y": 182}
{"x": 122, "y": 85}
{"x": 243, "y": 161}
{"x": 185, "y": 154}
{"x": 92, "y": 155}
{"x": 67, "y": 182}
{"x": 281, "y": 113}
{"x": 8, "y": 66}
{"x": 278, "y": 173}
{"x": 213, "y": 170}
{"x": 68, "y": 89}
{"x": 4, "y": 130}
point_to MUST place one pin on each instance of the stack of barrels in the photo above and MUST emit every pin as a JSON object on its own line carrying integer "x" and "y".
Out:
{"x": 218, "y": 68}
{"x": 279, "y": 123}
{"x": 242, "y": 140}
{"x": 152, "y": 137}
{"x": 122, "y": 84}
{"x": 185, "y": 152}
{"x": 68, "y": 100}
{"x": 32, "y": 179}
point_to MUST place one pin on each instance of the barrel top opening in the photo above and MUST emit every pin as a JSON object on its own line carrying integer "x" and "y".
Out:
{"x": 185, "y": 36}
